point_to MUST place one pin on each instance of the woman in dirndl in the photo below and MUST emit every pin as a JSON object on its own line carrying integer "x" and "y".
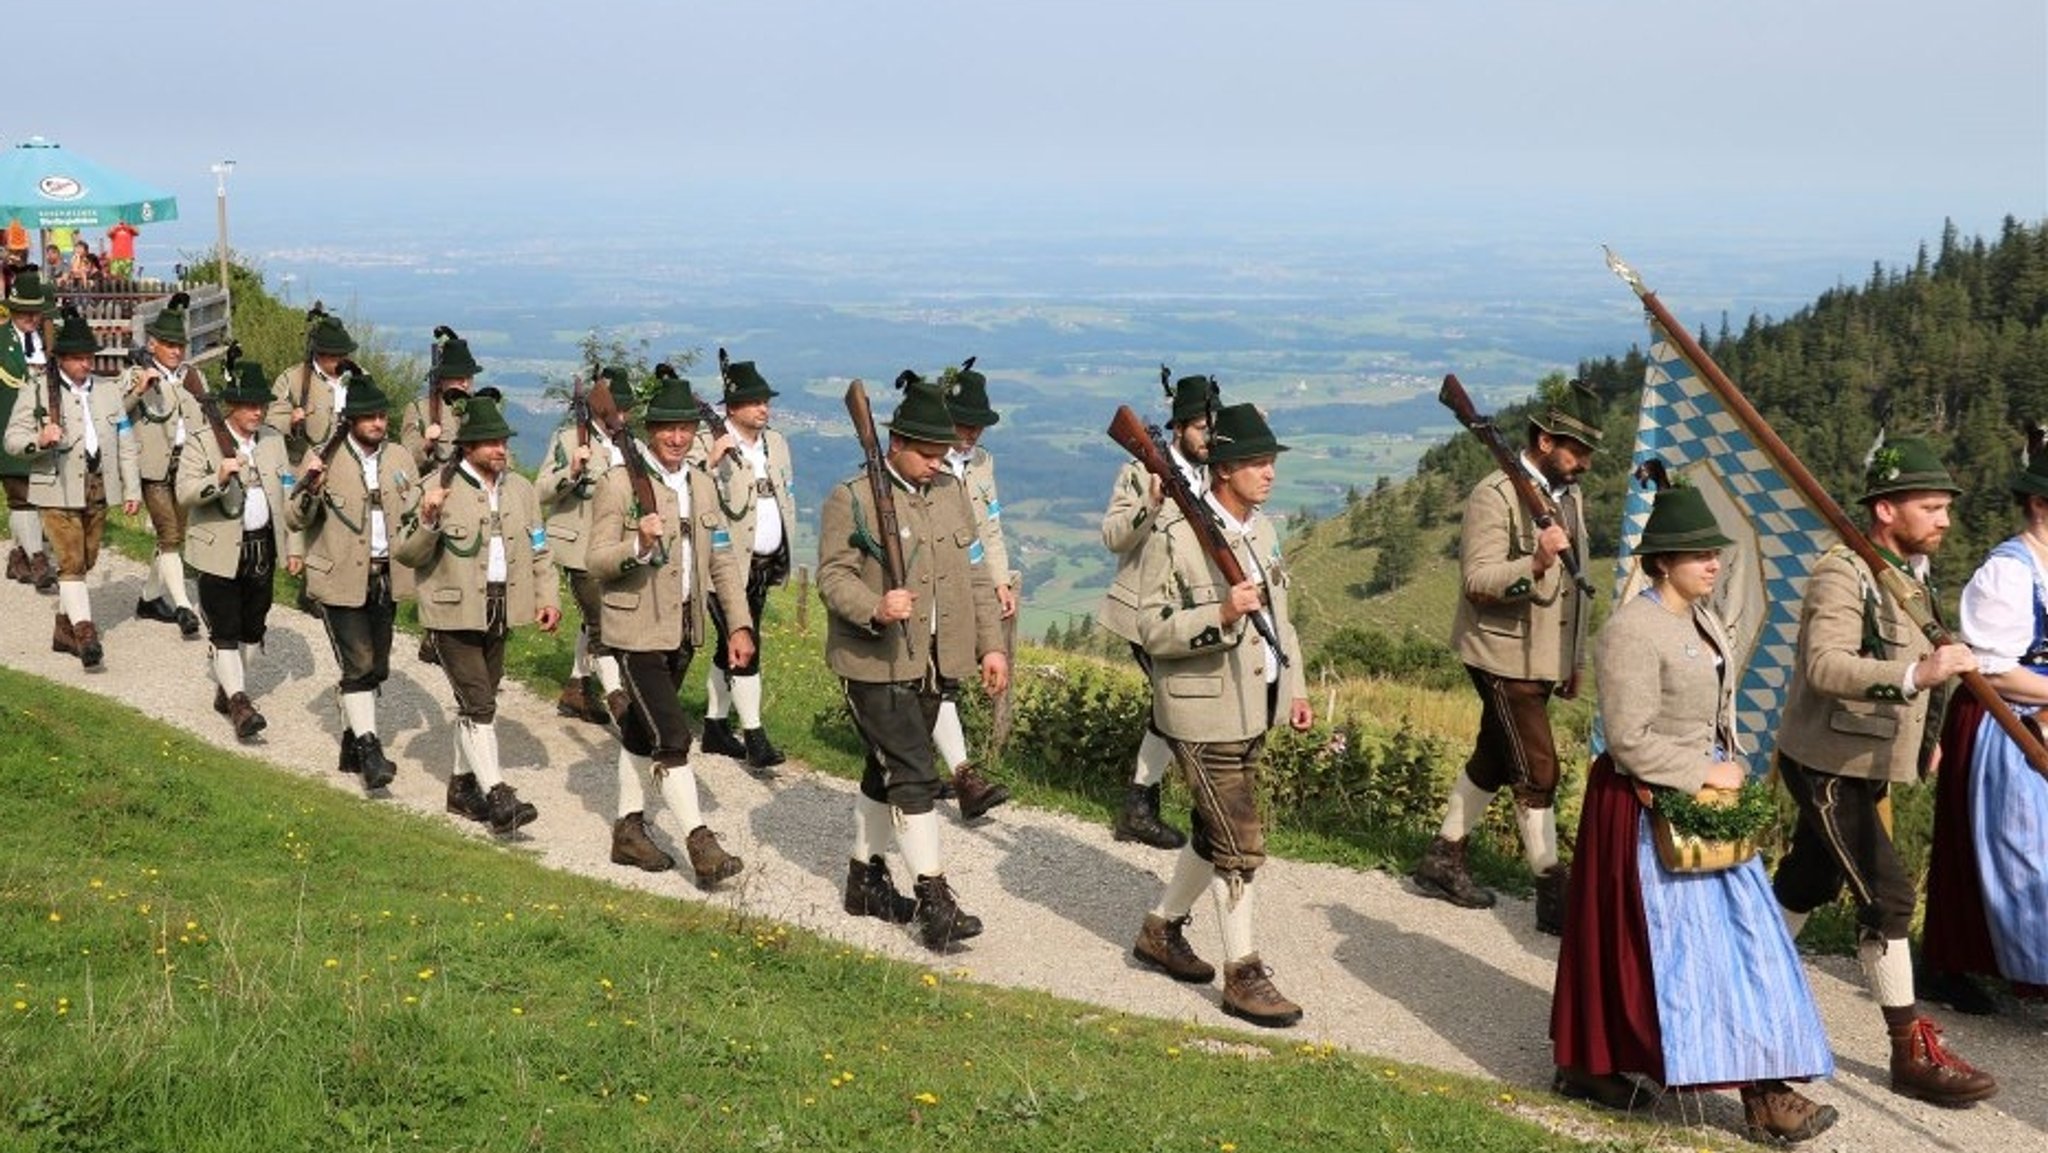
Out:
{"x": 1987, "y": 885}
{"x": 1687, "y": 979}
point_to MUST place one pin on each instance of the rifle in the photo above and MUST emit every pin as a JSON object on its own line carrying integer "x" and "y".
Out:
{"x": 1910, "y": 594}
{"x": 442, "y": 334}
{"x": 1148, "y": 444}
{"x": 231, "y": 496}
{"x": 894, "y": 572}
{"x": 713, "y": 419}
{"x": 1541, "y": 512}
{"x": 601, "y": 406}
{"x": 332, "y": 444}
{"x": 314, "y": 315}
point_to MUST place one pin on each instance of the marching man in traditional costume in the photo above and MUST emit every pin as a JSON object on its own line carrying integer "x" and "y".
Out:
{"x": 348, "y": 510}
{"x": 480, "y": 548}
{"x": 165, "y": 417}
{"x": 656, "y": 568}
{"x": 23, "y": 361}
{"x": 81, "y": 451}
{"x": 576, "y": 460}
{"x": 236, "y": 536}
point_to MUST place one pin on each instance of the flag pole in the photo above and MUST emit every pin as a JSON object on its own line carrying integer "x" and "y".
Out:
{"x": 1909, "y": 593}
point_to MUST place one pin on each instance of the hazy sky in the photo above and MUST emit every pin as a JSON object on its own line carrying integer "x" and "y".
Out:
{"x": 1787, "y": 111}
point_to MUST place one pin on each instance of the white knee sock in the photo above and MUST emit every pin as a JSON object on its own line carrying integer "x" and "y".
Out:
{"x": 1888, "y": 969}
{"x": 918, "y": 837}
{"x": 717, "y": 694}
{"x": 948, "y": 739}
{"x": 27, "y": 529}
{"x": 1466, "y": 809}
{"x": 170, "y": 570}
{"x": 632, "y": 791}
{"x": 153, "y": 582}
{"x": 1236, "y": 917}
{"x": 72, "y": 598}
{"x": 227, "y": 670}
{"x": 607, "y": 669}
{"x": 465, "y": 750}
{"x": 360, "y": 710}
{"x": 1191, "y": 875}
{"x": 483, "y": 753}
{"x": 873, "y": 828}
{"x": 1155, "y": 756}
{"x": 746, "y": 697}
{"x": 1539, "y": 836}
{"x": 1793, "y": 921}
{"x": 679, "y": 790}
{"x": 579, "y": 666}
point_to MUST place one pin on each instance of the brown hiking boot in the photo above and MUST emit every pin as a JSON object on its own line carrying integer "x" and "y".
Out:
{"x": 1161, "y": 945}
{"x": 940, "y": 919}
{"x": 577, "y": 701}
{"x": 1923, "y": 1068}
{"x": 1248, "y": 993}
{"x": 708, "y": 858}
{"x": 1773, "y": 1113}
{"x": 89, "y": 651}
{"x": 1139, "y": 821}
{"x": 42, "y": 573}
{"x": 872, "y": 892}
{"x": 1443, "y": 874}
{"x": 17, "y": 566}
{"x": 1552, "y": 885}
{"x": 243, "y": 715}
{"x": 977, "y": 794}
{"x": 64, "y": 639}
{"x": 631, "y": 845}
{"x": 466, "y": 798}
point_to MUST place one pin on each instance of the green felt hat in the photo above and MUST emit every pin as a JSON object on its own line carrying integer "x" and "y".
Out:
{"x": 481, "y": 420}
{"x": 364, "y": 397}
{"x": 249, "y": 385}
{"x": 922, "y": 414}
{"x": 74, "y": 336}
{"x": 169, "y": 324}
{"x": 1680, "y": 521}
{"x": 1193, "y": 397}
{"x": 27, "y": 293}
{"x": 673, "y": 401}
{"x": 2033, "y": 480}
{"x": 1906, "y": 464}
{"x": 619, "y": 383}
{"x": 1239, "y": 432}
{"x": 743, "y": 383}
{"x": 328, "y": 337}
{"x": 968, "y": 396}
{"x": 455, "y": 361}
{"x": 1573, "y": 411}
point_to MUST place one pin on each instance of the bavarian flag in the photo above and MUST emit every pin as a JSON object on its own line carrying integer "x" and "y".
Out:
{"x": 1685, "y": 425}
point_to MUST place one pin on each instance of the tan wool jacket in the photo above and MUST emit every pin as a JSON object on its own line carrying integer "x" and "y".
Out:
{"x": 644, "y": 606}
{"x": 155, "y": 412}
{"x": 1510, "y": 622}
{"x": 319, "y": 408}
{"x": 1847, "y": 711}
{"x": 213, "y": 537}
{"x": 56, "y": 475}
{"x": 979, "y": 479}
{"x": 938, "y": 535}
{"x": 1208, "y": 680}
{"x": 735, "y": 489}
{"x": 335, "y": 523}
{"x": 565, "y": 497}
{"x": 453, "y": 555}
{"x": 1663, "y": 699}
{"x": 412, "y": 435}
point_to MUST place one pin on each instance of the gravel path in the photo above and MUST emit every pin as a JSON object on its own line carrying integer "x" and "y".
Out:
{"x": 1379, "y": 969}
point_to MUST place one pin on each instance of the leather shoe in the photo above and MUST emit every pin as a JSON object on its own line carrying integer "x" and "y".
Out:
{"x": 156, "y": 609}
{"x": 1608, "y": 1090}
{"x": 188, "y": 622}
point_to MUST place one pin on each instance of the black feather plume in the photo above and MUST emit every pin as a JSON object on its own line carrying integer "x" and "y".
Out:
{"x": 908, "y": 377}
{"x": 664, "y": 371}
{"x": 1166, "y": 381}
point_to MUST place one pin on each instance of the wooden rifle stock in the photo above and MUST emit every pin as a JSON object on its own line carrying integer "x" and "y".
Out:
{"x": 603, "y": 408}
{"x": 332, "y": 445}
{"x": 1144, "y": 443}
{"x": 1910, "y": 594}
{"x": 313, "y": 317}
{"x": 894, "y": 571}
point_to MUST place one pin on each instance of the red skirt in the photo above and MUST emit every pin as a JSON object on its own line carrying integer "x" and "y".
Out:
{"x": 1603, "y": 1012}
{"x": 1956, "y": 938}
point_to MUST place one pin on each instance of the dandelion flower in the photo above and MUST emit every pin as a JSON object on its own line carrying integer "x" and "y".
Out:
{"x": 426, "y": 974}
{"x": 926, "y": 1098}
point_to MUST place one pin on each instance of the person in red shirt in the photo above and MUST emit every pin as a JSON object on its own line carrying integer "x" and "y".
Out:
{"x": 121, "y": 250}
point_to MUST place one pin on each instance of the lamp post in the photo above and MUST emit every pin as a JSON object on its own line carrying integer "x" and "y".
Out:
{"x": 220, "y": 214}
